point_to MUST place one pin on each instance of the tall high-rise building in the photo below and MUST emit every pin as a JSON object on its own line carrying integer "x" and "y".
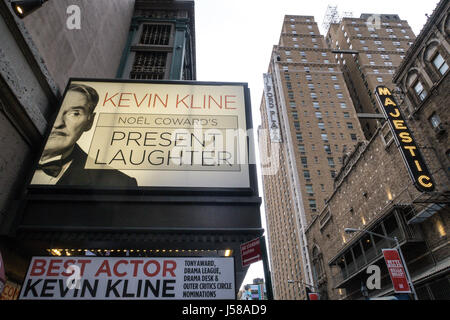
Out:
{"x": 369, "y": 48}
{"x": 308, "y": 104}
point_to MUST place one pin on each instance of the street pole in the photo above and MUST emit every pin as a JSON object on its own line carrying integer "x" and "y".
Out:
{"x": 406, "y": 268}
{"x": 265, "y": 260}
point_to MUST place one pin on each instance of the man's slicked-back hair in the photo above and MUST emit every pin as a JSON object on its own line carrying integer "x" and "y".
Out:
{"x": 90, "y": 93}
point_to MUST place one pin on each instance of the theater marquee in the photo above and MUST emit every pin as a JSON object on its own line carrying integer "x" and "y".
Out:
{"x": 104, "y": 278}
{"x": 165, "y": 134}
{"x": 414, "y": 162}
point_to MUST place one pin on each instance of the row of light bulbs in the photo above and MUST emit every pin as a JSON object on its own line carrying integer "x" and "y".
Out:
{"x": 69, "y": 252}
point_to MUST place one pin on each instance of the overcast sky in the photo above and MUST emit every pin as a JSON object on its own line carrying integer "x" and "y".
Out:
{"x": 234, "y": 40}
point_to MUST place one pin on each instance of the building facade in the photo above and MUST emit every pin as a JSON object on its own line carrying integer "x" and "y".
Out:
{"x": 374, "y": 190}
{"x": 317, "y": 126}
{"x": 369, "y": 48}
{"x": 137, "y": 40}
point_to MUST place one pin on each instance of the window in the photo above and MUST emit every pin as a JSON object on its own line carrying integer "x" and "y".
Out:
{"x": 420, "y": 91}
{"x": 306, "y": 174}
{"x": 396, "y": 43}
{"x": 299, "y": 136}
{"x": 333, "y": 77}
{"x": 316, "y": 105}
{"x": 318, "y": 114}
{"x": 149, "y": 65}
{"x": 440, "y": 64}
{"x": 301, "y": 147}
{"x": 349, "y": 125}
{"x": 324, "y": 54}
{"x": 380, "y": 79}
{"x": 346, "y": 115}
{"x": 337, "y": 87}
{"x": 340, "y": 96}
{"x": 327, "y": 148}
{"x": 331, "y": 162}
{"x": 309, "y": 189}
{"x": 435, "y": 120}
{"x": 324, "y": 137}
{"x": 288, "y": 53}
{"x": 378, "y": 42}
{"x": 304, "y": 161}
{"x": 343, "y": 105}
{"x": 365, "y": 48}
{"x": 312, "y": 204}
{"x": 353, "y": 136}
{"x": 321, "y": 125}
{"x": 155, "y": 34}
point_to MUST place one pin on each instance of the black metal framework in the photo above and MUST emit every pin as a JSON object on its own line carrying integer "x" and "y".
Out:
{"x": 150, "y": 65}
{"x": 156, "y": 34}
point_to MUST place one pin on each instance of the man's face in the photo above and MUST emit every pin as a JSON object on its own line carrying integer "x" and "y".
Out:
{"x": 73, "y": 119}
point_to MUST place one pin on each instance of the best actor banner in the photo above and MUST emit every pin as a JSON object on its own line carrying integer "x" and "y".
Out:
{"x": 118, "y": 134}
{"x": 100, "y": 278}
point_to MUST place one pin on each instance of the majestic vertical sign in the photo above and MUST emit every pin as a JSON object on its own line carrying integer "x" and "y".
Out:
{"x": 414, "y": 161}
{"x": 137, "y": 278}
{"x": 138, "y": 134}
{"x": 271, "y": 109}
{"x": 396, "y": 271}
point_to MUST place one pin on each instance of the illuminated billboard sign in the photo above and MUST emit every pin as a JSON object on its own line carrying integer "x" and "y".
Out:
{"x": 130, "y": 134}
{"x": 414, "y": 161}
{"x": 129, "y": 278}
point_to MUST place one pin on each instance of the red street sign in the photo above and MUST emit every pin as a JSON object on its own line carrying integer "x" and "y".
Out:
{"x": 396, "y": 271}
{"x": 250, "y": 252}
{"x": 313, "y": 296}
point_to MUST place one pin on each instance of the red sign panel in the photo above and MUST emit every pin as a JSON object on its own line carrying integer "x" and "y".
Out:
{"x": 396, "y": 271}
{"x": 313, "y": 296}
{"x": 250, "y": 252}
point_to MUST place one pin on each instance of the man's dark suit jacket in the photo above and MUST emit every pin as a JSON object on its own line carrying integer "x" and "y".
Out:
{"x": 77, "y": 175}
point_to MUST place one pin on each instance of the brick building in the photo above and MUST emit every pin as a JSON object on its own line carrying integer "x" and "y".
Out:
{"x": 317, "y": 126}
{"x": 374, "y": 191}
{"x": 369, "y": 48}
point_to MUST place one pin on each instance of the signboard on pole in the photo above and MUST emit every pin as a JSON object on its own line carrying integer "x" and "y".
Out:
{"x": 250, "y": 252}
{"x": 396, "y": 271}
{"x": 129, "y": 278}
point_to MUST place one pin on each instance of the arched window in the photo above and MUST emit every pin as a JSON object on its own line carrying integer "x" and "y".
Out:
{"x": 435, "y": 60}
{"x": 416, "y": 88}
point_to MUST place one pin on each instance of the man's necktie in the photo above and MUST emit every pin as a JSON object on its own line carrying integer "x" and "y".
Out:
{"x": 53, "y": 168}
